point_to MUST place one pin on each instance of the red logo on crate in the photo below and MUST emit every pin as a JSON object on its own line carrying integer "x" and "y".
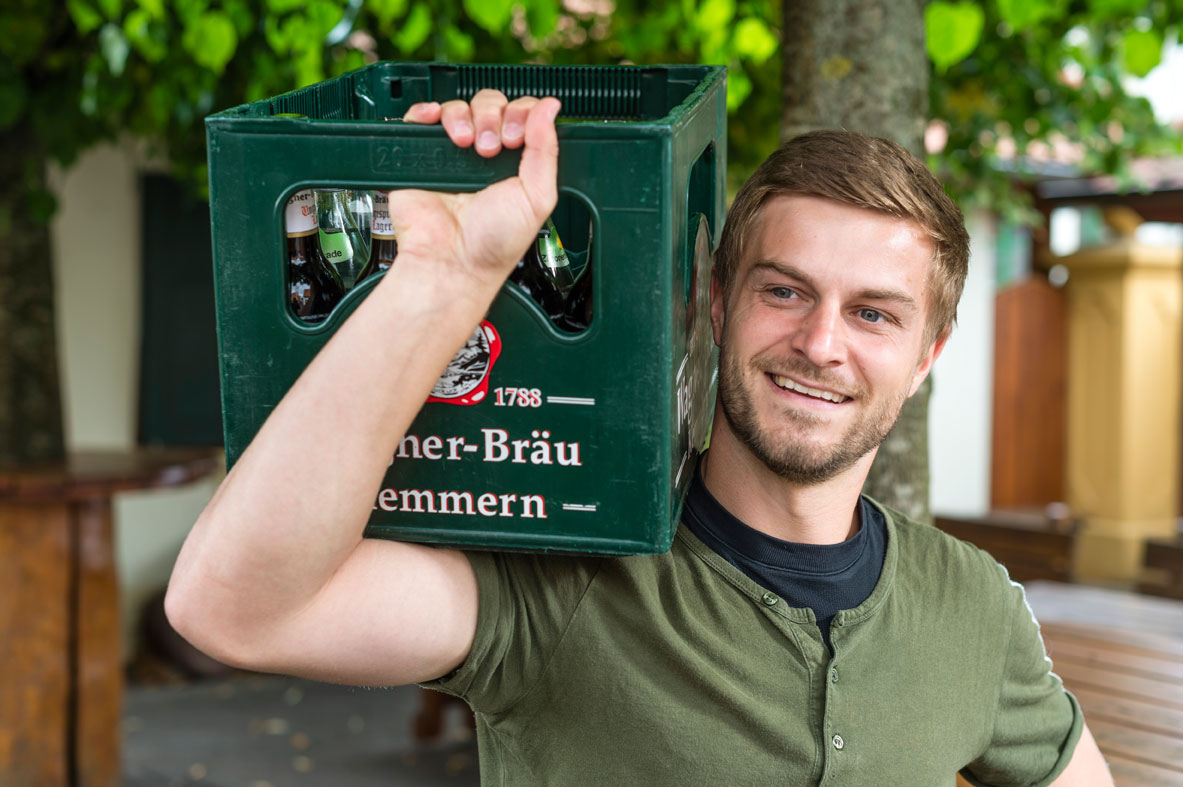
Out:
{"x": 466, "y": 380}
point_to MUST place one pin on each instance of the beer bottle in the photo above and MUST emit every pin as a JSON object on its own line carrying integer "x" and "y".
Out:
{"x": 383, "y": 245}
{"x": 361, "y": 212}
{"x": 577, "y": 312}
{"x": 532, "y": 276}
{"x": 340, "y": 237}
{"x": 313, "y": 286}
{"x": 554, "y": 258}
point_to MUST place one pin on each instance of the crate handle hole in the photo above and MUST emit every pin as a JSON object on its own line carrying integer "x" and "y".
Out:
{"x": 396, "y": 88}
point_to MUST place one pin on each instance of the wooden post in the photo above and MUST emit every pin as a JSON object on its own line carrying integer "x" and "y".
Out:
{"x": 61, "y": 699}
{"x": 1125, "y": 322}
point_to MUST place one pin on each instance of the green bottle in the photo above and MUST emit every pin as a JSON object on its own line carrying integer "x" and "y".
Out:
{"x": 554, "y": 260}
{"x": 341, "y": 240}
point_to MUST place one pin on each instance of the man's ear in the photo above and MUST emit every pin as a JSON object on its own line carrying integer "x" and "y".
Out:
{"x": 928, "y": 359}
{"x": 718, "y": 304}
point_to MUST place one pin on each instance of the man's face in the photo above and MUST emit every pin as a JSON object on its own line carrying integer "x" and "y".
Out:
{"x": 821, "y": 338}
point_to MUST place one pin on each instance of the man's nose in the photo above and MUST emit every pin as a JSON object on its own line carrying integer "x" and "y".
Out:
{"x": 820, "y": 336}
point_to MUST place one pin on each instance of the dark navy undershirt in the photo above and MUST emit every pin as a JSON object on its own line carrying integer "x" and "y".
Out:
{"x": 826, "y": 578}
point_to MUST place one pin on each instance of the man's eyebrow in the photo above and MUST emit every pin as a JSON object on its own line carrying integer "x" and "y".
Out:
{"x": 785, "y": 269}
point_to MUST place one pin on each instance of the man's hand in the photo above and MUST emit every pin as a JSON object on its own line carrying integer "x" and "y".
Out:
{"x": 485, "y": 233}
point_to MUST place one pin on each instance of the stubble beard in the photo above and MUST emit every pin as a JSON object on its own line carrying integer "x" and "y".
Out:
{"x": 797, "y": 461}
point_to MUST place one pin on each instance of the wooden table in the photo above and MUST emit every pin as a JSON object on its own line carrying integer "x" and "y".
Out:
{"x": 60, "y": 662}
{"x": 1121, "y": 655}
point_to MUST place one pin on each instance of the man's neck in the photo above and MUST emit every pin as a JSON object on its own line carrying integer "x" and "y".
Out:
{"x": 825, "y": 513}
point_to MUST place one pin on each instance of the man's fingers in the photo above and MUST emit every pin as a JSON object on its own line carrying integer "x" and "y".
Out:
{"x": 487, "y": 107}
{"x": 539, "y": 169}
{"x": 489, "y": 122}
{"x": 513, "y": 124}
{"x": 457, "y": 120}
{"x": 423, "y": 112}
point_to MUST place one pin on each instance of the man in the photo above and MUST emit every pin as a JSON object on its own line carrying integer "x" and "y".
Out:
{"x": 834, "y": 292}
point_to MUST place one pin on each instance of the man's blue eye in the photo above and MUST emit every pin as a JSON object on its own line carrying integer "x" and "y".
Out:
{"x": 782, "y": 292}
{"x": 870, "y": 315}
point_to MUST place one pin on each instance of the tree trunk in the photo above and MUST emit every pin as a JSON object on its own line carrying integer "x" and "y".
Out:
{"x": 30, "y": 402}
{"x": 861, "y": 65}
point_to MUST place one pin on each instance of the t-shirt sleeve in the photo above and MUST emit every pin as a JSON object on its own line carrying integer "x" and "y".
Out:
{"x": 525, "y": 605}
{"x": 1037, "y": 723}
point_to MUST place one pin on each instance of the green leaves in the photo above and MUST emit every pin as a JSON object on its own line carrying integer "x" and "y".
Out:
{"x": 86, "y": 17}
{"x": 146, "y": 37}
{"x": 13, "y": 96}
{"x": 541, "y": 16}
{"x": 951, "y": 31}
{"x": 754, "y": 40}
{"x": 415, "y": 30}
{"x": 1102, "y": 8}
{"x": 23, "y": 36}
{"x": 1022, "y": 14}
{"x": 492, "y": 15}
{"x": 1141, "y": 51}
{"x": 279, "y": 7}
{"x": 714, "y": 14}
{"x": 385, "y": 11}
{"x": 154, "y": 8}
{"x": 457, "y": 44}
{"x": 211, "y": 40}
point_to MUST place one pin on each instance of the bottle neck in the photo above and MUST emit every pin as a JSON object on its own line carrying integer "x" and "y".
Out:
{"x": 381, "y": 227}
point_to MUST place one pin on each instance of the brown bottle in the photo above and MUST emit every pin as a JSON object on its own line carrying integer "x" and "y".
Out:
{"x": 314, "y": 288}
{"x": 383, "y": 244}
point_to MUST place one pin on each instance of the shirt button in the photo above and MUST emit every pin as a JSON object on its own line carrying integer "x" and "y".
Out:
{"x": 838, "y": 742}
{"x": 769, "y": 599}
{"x": 834, "y": 675}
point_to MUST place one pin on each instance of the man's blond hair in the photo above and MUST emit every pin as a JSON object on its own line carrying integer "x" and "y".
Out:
{"x": 866, "y": 172}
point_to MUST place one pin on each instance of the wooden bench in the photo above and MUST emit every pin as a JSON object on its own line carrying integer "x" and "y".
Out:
{"x": 1121, "y": 655}
{"x": 1032, "y": 544}
{"x": 1164, "y": 561}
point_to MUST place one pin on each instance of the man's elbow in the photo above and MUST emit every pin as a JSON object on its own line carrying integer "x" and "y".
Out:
{"x": 200, "y": 623}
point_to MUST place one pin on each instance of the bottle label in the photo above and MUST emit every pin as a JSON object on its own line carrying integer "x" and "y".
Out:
{"x": 335, "y": 247}
{"x": 300, "y": 214}
{"x": 550, "y": 247}
{"x": 382, "y": 226}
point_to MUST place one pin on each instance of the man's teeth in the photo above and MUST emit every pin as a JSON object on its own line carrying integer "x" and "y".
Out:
{"x": 785, "y": 382}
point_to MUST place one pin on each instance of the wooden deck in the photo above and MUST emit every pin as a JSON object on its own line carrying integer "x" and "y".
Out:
{"x": 1121, "y": 655}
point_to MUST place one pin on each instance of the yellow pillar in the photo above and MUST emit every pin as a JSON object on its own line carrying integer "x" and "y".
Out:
{"x": 1125, "y": 322}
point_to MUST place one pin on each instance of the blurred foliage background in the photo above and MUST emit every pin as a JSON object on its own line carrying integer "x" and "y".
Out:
{"x": 1014, "y": 85}
{"x": 1010, "y": 78}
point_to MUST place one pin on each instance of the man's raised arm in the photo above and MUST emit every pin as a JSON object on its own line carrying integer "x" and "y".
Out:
{"x": 275, "y": 575}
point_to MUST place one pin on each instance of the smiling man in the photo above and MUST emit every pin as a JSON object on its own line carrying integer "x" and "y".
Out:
{"x": 796, "y": 633}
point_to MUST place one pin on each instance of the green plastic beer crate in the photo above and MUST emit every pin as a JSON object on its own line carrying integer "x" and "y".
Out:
{"x": 535, "y": 438}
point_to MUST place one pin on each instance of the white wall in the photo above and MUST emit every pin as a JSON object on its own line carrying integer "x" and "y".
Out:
{"x": 96, "y": 237}
{"x": 959, "y": 415}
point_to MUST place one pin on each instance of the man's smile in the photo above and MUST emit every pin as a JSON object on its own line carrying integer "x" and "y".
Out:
{"x": 788, "y": 384}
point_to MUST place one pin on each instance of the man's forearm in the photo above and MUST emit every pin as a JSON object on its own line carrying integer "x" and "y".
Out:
{"x": 296, "y": 502}
{"x": 1087, "y": 767}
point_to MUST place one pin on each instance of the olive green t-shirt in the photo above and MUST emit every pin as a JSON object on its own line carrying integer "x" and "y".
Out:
{"x": 678, "y": 669}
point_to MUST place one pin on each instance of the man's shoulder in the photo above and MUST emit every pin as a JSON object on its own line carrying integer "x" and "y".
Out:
{"x": 925, "y": 552}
